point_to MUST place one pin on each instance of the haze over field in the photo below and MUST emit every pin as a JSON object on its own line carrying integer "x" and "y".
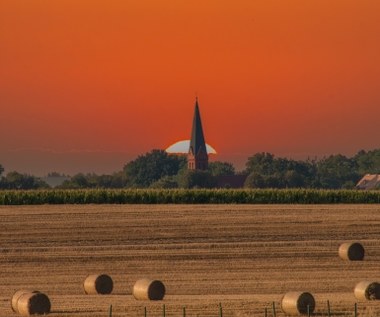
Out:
{"x": 89, "y": 85}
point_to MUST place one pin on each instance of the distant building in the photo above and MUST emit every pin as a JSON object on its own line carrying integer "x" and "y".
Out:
{"x": 197, "y": 158}
{"x": 369, "y": 181}
{"x": 55, "y": 180}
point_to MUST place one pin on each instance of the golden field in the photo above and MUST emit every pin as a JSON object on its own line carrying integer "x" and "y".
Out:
{"x": 243, "y": 256}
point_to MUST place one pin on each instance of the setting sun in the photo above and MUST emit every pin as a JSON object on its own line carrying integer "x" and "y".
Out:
{"x": 182, "y": 147}
{"x": 89, "y": 85}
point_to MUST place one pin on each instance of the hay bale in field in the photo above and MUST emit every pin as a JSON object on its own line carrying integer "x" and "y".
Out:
{"x": 351, "y": 251}
{"x": 146, "y": 289}
{"x": 367, "y": 290}
{"x": 17, "y": 295}
{"x": 98, "y": 284}
{"x": 296, "y": 303}
{"x": 33, "y": 303}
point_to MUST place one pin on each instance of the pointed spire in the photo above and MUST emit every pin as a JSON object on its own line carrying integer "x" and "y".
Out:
{"x": 198, "y": 158}
{"x": 197, "y": 142}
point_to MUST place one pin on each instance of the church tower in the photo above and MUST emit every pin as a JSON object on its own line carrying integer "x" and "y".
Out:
{"x": 197, "y": 158}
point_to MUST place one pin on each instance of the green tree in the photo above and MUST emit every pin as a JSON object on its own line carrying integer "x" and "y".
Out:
{"x": 1, "y": 169}
{"x": 165, "y": 182}
{"x": 293, "y": 178}
{"x": 265, "y": 170}
{"x": 218, "y": 168}
{"x": 77, "y": 181}
{"x": 255, "y": 180}
{"x": 336, "y": 171}
{"x": 196, "y": 179}
{"x": 15, "y": 180}
{"x": 368, "y": 162}
{"x": 260, "y": 163}
{"x": 152, "y": 166}
{"x": 91, "y": 180}
{"x": 56, "y": 174}
{"x": 118, "y": 180}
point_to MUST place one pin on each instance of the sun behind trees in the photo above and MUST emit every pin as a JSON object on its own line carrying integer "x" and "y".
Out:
{"x": 158, "y": 169}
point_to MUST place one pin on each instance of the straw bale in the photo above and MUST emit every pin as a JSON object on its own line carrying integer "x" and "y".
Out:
{"x": 351, "y": 251}
{"x": 33, "y": 303}
{"x": 296, "y": 303}
{"x": 367, "y": 290}
{"x": 17, "y": 295}
{"x": 146, "y": 289}
{"x": 98, "y": 284}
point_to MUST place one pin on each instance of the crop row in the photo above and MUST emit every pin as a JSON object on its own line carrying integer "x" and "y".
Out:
{"x": 187, "y": 196}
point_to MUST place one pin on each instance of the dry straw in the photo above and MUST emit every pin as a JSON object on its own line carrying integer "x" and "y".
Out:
{"x": 351, "y": 251}
{"x": 17, "y": 295}
{"x": 33, "y": 303}
{"x": 146, "y": 289}
{"x": 98, "y": 284}
{"x": 296, "y": 303}
{"x": 367, "y": 290}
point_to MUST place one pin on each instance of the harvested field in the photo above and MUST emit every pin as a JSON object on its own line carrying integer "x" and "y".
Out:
{"x": 243, "y": 256}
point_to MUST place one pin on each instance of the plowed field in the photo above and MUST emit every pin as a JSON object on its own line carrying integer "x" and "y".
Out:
{"x": 242, "y": 256}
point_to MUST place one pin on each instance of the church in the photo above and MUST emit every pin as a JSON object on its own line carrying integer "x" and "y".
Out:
{"x": 197, "y": 157}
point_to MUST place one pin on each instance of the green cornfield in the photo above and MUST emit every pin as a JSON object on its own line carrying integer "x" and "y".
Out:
{"x": 188, "y": 196}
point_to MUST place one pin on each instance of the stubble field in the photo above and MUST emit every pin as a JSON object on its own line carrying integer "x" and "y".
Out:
{"x": 242, "y": 256}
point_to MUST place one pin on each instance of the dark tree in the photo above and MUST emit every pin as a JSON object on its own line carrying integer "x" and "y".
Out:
{"x": 165, "y": 182}
{"x": 337, "y": 171}
{"x": 15, "y": 180}
{"x": 255, "y": 180}
{"x": 261, "y": 163}
{"x": 152, "y": 166}
{"x": 116, "y": 180}
{"x": 265, "y": 170}
{"x": 218, "y": 168}
{"x": 196, "y": 179}
{"x": 368, "y": 162}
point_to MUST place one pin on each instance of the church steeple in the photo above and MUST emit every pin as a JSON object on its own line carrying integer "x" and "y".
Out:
{"x": 197, "y": 157}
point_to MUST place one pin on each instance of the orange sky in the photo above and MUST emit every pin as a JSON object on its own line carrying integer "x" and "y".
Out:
{"x": 86, "y": 85}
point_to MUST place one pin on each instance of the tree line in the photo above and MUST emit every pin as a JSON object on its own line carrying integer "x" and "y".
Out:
{"x": 157, "y": 169}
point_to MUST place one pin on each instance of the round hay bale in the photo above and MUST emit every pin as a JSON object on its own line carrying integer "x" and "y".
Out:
{"x": 146, "y": 289}
{"x": 33, "y": 303}
{"x": 351, "y": 251}
{"x": 367, "y": 290}
{"x": 98, "y": 284}
{"x": 296, "y": 303}
{"x": 17, "y": 295}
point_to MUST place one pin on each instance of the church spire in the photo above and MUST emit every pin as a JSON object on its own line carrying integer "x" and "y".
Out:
{"x": 197, "y": 157}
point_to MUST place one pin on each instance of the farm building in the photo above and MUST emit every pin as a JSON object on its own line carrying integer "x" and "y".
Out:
{"x": 55, "y": 180}
{"x": 369, "y": 181}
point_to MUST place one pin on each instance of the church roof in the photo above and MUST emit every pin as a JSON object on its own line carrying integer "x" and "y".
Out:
{"x": 369, "y": 181}
{"x": 197, "y": 141}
